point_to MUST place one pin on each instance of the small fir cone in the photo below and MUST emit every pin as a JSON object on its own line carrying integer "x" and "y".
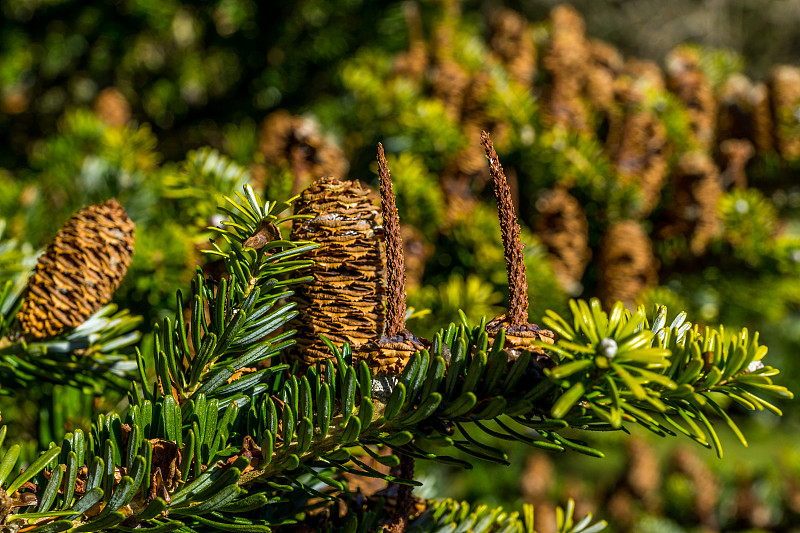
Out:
{"x": 704, "y": 484}
{"x": 735, "y": 154}
{"x": 519, "y": 334}
{"x": 344, "y": 300}
{"x": 294, "y": 142}
{"x": 512, "y": 43}
{"x": 735, "y": 113}
{"x": 628, "y": 123}
{"x": 643, "y": 475}
{"x": 416, "y": 250}
{"x": 388, "y": 354}
{"x": 537, "y": 484}
{"x": 562, "y": 226}
{"x": 449, "y": 84}
{"x": 604, "y": 67}
{"x": 78, "y": 272}
{"x": 686, "y": 79}
{"x": 626, "y": 263}
{"x": 566, "y": 61}
{"x": 111, "y": 107}
{"x": 413, "y": 63}
{"x": 785, "y": 95}
{"x": 643, "y": 157}
{"x": 761, "y": 117}
{"x": 693, "y": 213}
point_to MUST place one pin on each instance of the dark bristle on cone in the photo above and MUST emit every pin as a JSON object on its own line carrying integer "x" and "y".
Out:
{"x": 344, "y": 300}
{"x": 78, "y": 272}
{"x": 389, "y": 354}
{"x": 519, "y": 333}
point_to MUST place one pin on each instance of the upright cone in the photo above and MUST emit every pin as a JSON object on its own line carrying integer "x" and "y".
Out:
{"x": 344, "y": 301}
{"x": 78, "y": 272}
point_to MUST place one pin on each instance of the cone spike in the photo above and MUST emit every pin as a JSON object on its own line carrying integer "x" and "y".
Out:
{"x": 395, "y": 262}
{"x": 515, "y": 264}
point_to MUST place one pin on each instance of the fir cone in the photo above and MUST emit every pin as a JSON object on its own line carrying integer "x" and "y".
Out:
{"x": 643, "y": 157}
{"x": 735, "y": 115}
{"x": 697, "y": 190}
{"x": 412, "y": 63}
{"x": 79, "y": 271}
{"x": 628, "y": 142}
{"x": 566, "y": 63}
{"x": 563, "y": 228}
{"x": 704, "y": 484}
{"x": 605, "y": 65}
{"x": 295, "y": 142}
{"x": 416, "y": 251}
{"x": 512, "y": 43}
{"x": 785, "y": 96}
{"x": 627, "y": 264}
{"x": 761, "y": 118}
{"x": 344, "y": 301}
{"x": 449, "y": 84}
{"x": 686, "y": 79}
{"x": 111, "y": 107}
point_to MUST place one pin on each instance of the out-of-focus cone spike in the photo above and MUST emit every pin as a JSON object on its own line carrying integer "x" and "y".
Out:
{"x": 78, "y": 272}
{"x": 389, "y": 354}
{"x": 344, "y": 300}
{"x": 519, "y": 334}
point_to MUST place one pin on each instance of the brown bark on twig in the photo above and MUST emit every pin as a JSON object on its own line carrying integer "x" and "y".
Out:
{"x": 515, "y": 265}
{"x": 405, "y": 499}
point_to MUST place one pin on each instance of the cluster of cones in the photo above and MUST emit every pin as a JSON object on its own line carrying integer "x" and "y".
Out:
{"x": 78, "y": 272}
{"x": 590, "y": 85}
{"x": 344, "y": 300}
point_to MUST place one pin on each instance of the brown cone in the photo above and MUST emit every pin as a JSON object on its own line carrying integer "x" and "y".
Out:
{"x": 686, "y": 79}
{"x": 693, "y": 213}
{"x": 512, "y": 43}
{"x": 111, "y": 107}
{"x": 295, "y": 142}
{"x": 562, "y": 226}
{"x": 344, "y": 301}
{"x": 79, "y": 271}
{"x": 627, "y": 264}
{"x": 785, "y": 94}
{"x": 566, "y": 61}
